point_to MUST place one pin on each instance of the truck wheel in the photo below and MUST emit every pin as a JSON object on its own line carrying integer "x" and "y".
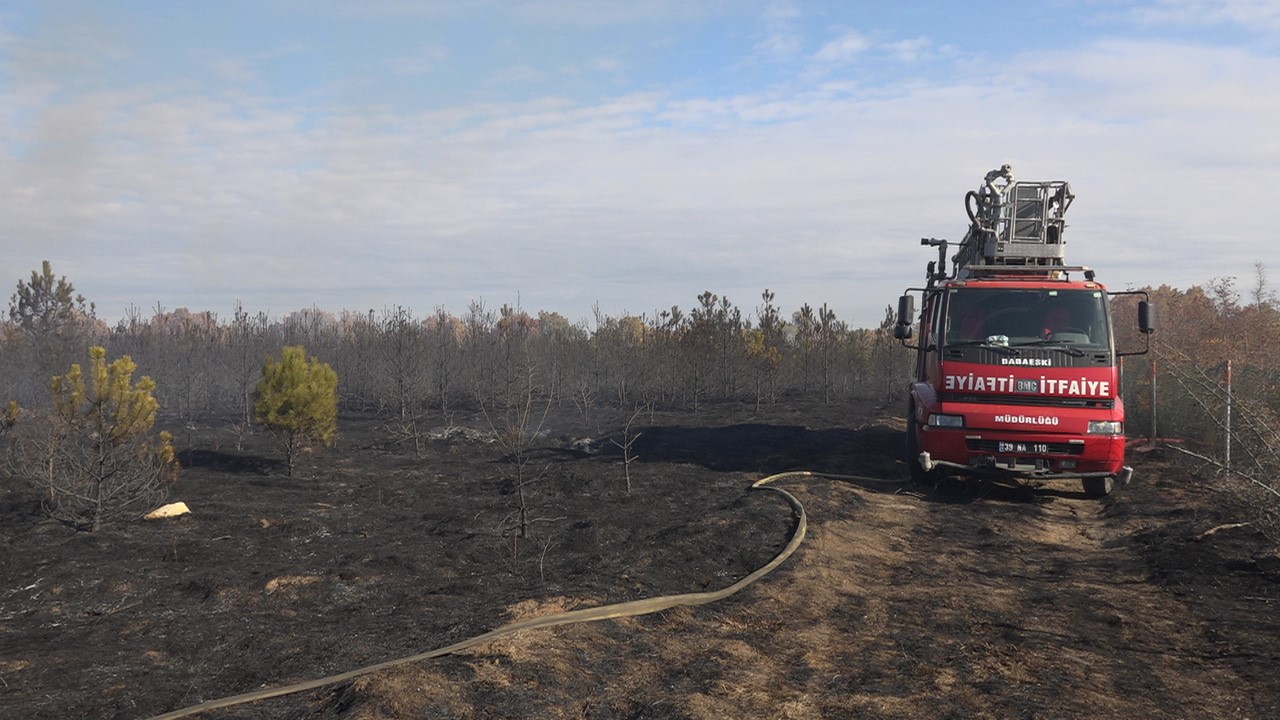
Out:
{"x": 1097, "y": 487}
{"x": 918, "y": 474}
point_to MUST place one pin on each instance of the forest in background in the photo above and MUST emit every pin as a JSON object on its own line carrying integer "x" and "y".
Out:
{"x": 407, "y": 365}
{"x": 1213, "y": 361}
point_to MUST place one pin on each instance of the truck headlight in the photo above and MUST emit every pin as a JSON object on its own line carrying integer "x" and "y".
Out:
{"x": 1106, "y": 427}
{"x": 946, "y": 421}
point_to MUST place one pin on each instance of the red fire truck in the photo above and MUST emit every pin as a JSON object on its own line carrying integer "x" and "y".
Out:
{"x": 1017, "y": 373}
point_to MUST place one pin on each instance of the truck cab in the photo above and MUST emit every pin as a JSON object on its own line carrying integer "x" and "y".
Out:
{"x": 1017, "y": 375}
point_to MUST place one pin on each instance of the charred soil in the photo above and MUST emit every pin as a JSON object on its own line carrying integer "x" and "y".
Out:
{"x": 962, "y": 600}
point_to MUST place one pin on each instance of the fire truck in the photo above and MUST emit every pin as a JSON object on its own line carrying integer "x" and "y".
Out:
{"x": 1017, "y": 374}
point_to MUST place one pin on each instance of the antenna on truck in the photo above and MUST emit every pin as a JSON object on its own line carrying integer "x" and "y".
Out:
{"x": 937, "y": 270}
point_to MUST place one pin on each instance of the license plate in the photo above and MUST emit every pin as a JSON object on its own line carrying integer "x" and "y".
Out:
{"x": 1018, "y": 447}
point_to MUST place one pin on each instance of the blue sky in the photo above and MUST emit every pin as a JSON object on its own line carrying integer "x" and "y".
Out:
{"x": 566, "y": 154}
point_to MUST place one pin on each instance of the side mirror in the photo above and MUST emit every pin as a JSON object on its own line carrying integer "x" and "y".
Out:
{"x": 906, "y": 310}
{"x": 1146, "y": 317}
{"x": 906, "y": 314}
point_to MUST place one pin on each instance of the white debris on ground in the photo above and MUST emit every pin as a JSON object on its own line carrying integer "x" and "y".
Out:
{"x": 458, "y": 433}
{"x": 168, "y": 511}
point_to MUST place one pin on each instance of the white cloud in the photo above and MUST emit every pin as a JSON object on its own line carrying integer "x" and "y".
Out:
{"x": 425, "y": 60}
{"x": 365, "y": 9}
{"x": 238, "y": 70}
{"x": 1256, "y": 15}
{"x": 517, "y": 75}
{"x": 909, "y": 51}
{"x": 1199, "y": 102}
{"x": 595, "y": 13}
{"x": 843, "y": 49}
{"x": 782, "y": 37}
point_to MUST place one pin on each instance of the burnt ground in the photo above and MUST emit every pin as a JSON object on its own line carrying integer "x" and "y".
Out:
{"x": 957, "y": 600}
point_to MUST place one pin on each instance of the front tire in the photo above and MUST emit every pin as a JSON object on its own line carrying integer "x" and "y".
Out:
{"x": 918, "y": 474}
{"x": 1098, "y": 487}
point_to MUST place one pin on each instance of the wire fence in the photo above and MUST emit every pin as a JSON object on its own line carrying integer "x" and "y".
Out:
{"x": 1232, "y": 435}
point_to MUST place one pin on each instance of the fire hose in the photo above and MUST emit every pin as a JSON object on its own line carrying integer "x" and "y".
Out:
{"x": 632, "y": 608}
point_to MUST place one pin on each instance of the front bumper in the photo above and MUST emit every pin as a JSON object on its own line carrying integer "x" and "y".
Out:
{"x": 1024, "y": 453}
{"x": 991, "y": 467}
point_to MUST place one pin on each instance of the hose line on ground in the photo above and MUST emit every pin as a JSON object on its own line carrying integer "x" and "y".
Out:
{"x": 633, "y": 608}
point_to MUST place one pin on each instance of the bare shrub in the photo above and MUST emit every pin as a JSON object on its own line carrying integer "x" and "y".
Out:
{"x": 627, "y": 446}
{"x": 517, "y": 410}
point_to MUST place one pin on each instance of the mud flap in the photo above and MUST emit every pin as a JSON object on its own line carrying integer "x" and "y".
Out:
{"x": 1124, "y": 476}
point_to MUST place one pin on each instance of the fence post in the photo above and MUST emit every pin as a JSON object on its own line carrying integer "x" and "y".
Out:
{"x": 1153, "y": 399}
{"x": 1229, "y": 403}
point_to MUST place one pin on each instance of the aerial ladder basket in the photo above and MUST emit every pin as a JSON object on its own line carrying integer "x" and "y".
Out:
{"x": 1014, "y": 226}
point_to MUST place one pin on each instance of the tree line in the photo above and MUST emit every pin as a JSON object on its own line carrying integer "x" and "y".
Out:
{"x": 406, "y": 365}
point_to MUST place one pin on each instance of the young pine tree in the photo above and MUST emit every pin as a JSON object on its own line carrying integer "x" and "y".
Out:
{"x": 297, "y": 400}
{"x": 95, "y": 456}
{"x": 50, "y": 326}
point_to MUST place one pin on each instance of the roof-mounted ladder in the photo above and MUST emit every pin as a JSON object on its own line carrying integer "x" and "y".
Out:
{"x": 1015, "y": 227}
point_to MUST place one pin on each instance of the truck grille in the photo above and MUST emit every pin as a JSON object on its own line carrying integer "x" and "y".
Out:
{"x": 986, "y": 356}
{"x": 1100, "y": 403}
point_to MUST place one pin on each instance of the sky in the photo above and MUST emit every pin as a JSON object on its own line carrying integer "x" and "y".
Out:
{"x": 574, "y": 155}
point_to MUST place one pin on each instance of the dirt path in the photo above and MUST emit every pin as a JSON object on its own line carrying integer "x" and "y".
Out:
{"x": 1015, "y": 604}
{"x": 996, "y": 609}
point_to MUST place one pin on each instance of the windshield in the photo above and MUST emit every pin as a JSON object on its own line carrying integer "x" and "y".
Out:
{"x": 1016, "y": 317}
